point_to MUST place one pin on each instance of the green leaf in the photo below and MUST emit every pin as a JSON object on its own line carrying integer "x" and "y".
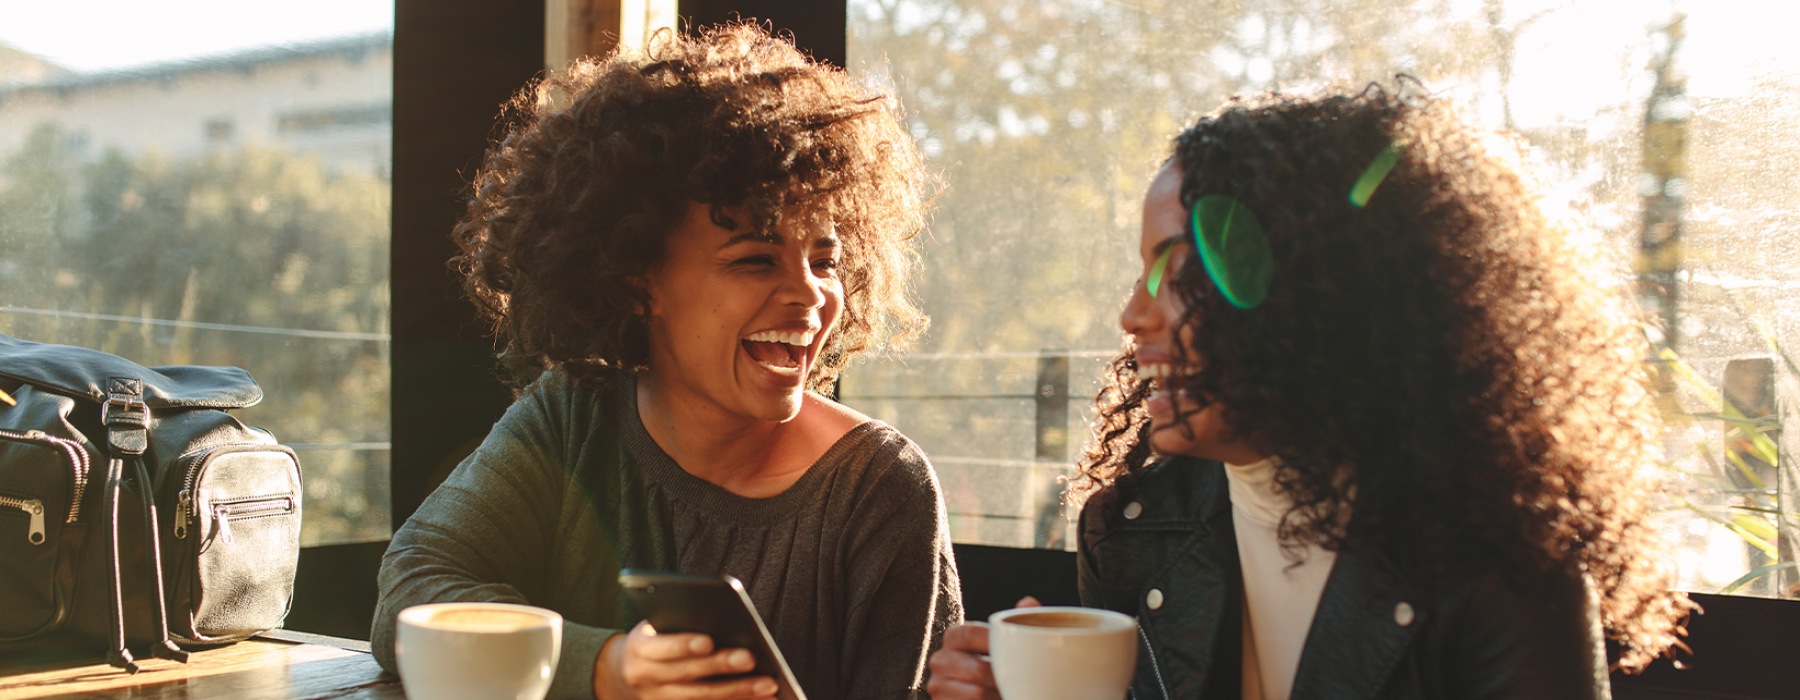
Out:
{"x": 1757, "y": 573}
{"x": 1737, "y": 420}
{"x": 1766, "y": 511}
{"x": 1737, "y": 460}
{"x": 1764, "y": 448}
{"x": 1749, "y": 538}
{"x": 1757, "y": 526}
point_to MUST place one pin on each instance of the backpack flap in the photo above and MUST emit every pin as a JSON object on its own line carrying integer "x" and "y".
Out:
{"x": 85, "y": 373}
{"x": 226, "y": 497}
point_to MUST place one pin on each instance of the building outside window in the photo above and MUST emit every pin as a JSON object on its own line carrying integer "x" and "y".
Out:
{"x": 157, "y": 202}
{"x": 1660, "y": 131}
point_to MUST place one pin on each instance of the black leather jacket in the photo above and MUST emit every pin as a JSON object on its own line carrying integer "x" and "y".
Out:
{"x": 1163, "y": 549}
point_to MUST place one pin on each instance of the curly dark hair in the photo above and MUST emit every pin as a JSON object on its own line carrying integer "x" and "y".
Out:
{"x": 1486, "y": 396}
{"x": 574, "y": 205}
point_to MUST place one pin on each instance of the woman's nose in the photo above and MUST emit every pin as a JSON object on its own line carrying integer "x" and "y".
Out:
{"x": 804, "y": 288}
{"x": 1139, "y": 315}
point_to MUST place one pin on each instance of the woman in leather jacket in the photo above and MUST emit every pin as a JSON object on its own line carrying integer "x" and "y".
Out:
{"x": 1375, "y": 432}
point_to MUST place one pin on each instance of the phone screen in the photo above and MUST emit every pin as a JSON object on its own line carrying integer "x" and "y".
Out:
{"x": 716, "y": 606}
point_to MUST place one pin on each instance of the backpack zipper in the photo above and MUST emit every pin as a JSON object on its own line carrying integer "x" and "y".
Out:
{"x": 185, "y": 517}
{"x": 224, "y": 513}
{"x": 78, "y": 464}
{"x": 184, "y": 501}
{"x": 32, "y": 507}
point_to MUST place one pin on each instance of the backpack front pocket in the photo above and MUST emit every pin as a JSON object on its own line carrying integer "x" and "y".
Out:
{"x": 237, "y": 529}
{"x": 41, "y": 482}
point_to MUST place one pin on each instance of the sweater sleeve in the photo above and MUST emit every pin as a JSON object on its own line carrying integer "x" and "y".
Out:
{"x": 487, "y": 534}
{"x": 905, "y": 591}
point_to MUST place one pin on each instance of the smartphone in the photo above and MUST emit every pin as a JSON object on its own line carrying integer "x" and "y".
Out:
{"x": 716, "y": 606}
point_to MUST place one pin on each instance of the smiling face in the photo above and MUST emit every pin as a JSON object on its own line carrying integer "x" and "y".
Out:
{"x": 737, "y": 319}
{"x": 1179, "y": 425}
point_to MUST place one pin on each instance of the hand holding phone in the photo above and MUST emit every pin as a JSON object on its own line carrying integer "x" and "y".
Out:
{"x": 645, "y": 665}
{"x": 716, "y": 606}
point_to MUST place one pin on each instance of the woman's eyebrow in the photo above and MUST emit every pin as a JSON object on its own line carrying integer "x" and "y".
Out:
{"x": 752, "y": 237}
{"x": 1166, "y": 244}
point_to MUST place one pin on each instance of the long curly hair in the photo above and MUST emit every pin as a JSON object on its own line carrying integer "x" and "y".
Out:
{"x": 600, "y": 160}
{"x": 1434, "y": 363}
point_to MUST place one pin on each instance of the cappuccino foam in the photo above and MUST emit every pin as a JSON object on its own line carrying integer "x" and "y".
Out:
{"x": 1055, "y": 619}
{"x": 478, "y": 620}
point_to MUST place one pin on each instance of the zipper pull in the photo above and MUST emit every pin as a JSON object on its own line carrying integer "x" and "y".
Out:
{"x": 184, "y": 508}
{"x": 222, "y": 523}
{"x": 33, "y": 508}
{"x": 36, "y": 508}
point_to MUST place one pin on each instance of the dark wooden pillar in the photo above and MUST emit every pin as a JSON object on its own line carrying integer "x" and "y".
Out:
{"x": 818, "y": 26}
{"x": 455, "y": 62}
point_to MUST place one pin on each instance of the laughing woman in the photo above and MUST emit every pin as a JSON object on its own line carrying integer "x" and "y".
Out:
{"x": 690, "y": 244}
{"x": 1377, "y": 435}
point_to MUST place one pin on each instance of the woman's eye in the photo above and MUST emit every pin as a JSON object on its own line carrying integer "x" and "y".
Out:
{"x": 826, "y": 264}
{"x": 755, "y": 261}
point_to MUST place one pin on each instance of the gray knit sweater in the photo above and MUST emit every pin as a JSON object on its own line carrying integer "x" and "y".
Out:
{"x": 850, "y": 567}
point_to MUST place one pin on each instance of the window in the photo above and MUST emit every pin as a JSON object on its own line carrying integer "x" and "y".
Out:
{"x": 1659, "y": 130}
{"x": 154, "y": 205}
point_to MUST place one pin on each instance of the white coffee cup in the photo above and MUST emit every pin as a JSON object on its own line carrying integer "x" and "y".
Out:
{"x": 458, "y": 651}
{"x": 1061, "y": 653}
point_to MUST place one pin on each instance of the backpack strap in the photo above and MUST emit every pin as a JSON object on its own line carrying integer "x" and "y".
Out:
{"x": 127, "y": 421}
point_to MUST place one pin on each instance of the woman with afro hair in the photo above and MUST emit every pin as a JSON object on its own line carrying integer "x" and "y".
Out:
{"x": 679, "y": 251}
{"x": 1375, "y": 432}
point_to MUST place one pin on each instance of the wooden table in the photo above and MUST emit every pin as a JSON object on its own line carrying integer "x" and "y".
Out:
{"x": 278, "y": 665}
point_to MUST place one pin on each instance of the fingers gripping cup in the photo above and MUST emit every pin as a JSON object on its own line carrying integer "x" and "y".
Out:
{"x": 1057, "y": 653}
{"x": 457, "y": 651}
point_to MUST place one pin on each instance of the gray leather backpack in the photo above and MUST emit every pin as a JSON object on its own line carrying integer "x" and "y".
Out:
{"x": 136, "y": 515}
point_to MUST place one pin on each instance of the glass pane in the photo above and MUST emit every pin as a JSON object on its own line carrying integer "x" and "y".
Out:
{"x": 206, "y": 182}
{"x": 1660, "y": 131}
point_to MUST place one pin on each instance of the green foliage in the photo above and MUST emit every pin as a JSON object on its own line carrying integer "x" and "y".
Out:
{"x": 292, "y": 256}
{"x": 1048, "y": 120}
{"x": 1730, "y": 488}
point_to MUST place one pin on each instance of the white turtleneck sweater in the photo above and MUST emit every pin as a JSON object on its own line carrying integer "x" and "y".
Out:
{"x": 1279, "y": 601}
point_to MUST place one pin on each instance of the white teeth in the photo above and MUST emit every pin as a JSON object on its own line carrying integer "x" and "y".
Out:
{"x": 793, "y": 371}
{"x": 801, "y": 338}
{"x": 1155, "y": 370}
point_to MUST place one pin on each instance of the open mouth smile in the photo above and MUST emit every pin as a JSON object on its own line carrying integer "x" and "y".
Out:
{"x": 785, "y": 353}
{"x": 1164, "y": 396}
{"x": 1156, "y": 374}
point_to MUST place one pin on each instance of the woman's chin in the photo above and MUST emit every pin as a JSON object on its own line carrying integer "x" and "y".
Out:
{"x": 1169, "y": 439}
{"x": 780, "y": 407}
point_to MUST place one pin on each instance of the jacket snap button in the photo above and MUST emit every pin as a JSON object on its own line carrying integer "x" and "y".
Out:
{"x": 1403, "y": 614}
{"x": 1133, "y": 510}
{"x": 1154, "y": 599}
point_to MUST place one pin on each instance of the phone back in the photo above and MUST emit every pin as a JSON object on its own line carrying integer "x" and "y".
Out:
{"x": 716, "y": 606}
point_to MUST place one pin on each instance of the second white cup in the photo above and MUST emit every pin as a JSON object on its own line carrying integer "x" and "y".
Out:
{"x": 1062, "y": 653}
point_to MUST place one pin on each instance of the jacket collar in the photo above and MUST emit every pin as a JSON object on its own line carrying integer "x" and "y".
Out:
{"x": 1368, "y": 613}
{"x": 1367, "y": 617}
